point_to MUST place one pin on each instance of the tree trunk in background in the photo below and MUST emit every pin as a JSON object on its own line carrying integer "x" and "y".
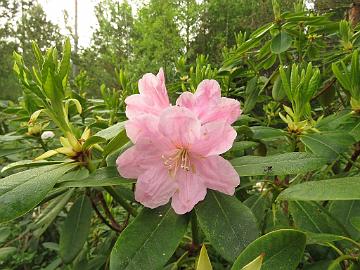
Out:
{"x": 354, "y": 12}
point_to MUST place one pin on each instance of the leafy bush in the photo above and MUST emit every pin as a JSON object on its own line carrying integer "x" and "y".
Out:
{"x": 65, "y": 206}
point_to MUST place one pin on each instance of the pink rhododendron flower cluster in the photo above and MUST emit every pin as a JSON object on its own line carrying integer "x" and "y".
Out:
{"x": 176, "y": 148}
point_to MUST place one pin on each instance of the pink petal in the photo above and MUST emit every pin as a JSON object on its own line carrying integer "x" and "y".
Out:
{"x": 153, "y": 98}
{"x": 180, "y": 126}
{"x": 216, "y": 138}
{"x": 208, "y": 105}
{"x": 227, "y": 109}
{"x": 190, "y": 191}
{"x": 217, "y": 173}
{"x": 144, "y": 129}
{"x": 137, "y": 159}
{"x": 155, "y": 187}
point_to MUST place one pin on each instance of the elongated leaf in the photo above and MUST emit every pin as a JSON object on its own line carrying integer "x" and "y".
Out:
{"x": 107, "y": 176}
{"x": 5, "y": 252}
{"x": 283, "y": 164}
{"x": 28, "y": 164}
{"x": 111, "y": 132}
{"x": 355, "y": 221}
{"x": 149, "y": 241}
{"x": 347, "y": 188}
{"x": 328, "y": 145}
{"x": 204, "y": 260}
{"x": 344, "y": 211}
{"x": 118, "y": 141}
{"x": 75, "y": 229}
{"x": 309, "y": 217}
{"x": 93, "y": 140}
{"x": 65, "y": 62}
{"x": 228, "y": 224}
{"x": 322, "y": 238}
{"x": 281, "y": 42}
{"x": 49, "y": 214}
{"x": 282, "y": 249}
{"x": 252, "y": 93}
{"x": 266, "y": 133}
{"x": 22, "y": 191}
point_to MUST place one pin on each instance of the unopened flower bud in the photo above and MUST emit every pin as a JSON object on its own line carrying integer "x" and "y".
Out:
{"x": 47, "y": 135}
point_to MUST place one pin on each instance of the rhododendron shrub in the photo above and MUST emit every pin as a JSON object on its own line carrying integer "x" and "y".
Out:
{"x": 147, "y": 177}
{"x": 177, "y": 148}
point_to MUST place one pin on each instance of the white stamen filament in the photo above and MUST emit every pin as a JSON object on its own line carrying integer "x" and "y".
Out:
{"x": 179, "y": 159}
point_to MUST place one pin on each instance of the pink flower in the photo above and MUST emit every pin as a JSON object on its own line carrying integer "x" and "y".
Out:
{"x": 176, "y": 148}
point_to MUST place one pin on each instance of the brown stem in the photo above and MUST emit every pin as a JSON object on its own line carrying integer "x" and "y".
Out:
{"x": 102, "y": 218}
{"x": 108, "y": 212}
{"x": 326, "y": 88}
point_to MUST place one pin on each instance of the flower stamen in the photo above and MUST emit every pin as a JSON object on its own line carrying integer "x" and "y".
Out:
{"x": 180, "y": 159}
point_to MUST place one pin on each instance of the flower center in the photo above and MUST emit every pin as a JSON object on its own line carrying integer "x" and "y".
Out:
{"x": 180, "y": 159}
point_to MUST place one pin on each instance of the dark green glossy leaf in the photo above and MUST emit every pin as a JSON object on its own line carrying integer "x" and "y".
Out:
{"x": 328, "y": 145}
{"x": 283, "y": 164}
{"x": 281, "y": 42}
{"x": 282, "y": 249}
{"x": 107, "y": 176}
{"x": 332, "y": 189}
{"x": 117, "y": 142}
{"x": 344, "y": 211}
{"x": 75, "y": 229}
{"x": 309, "y": 217}
{"x": 28, "y": 164}
{"x": 22, "y": 191}
{"x": 227, "y": 223}
{"x": 149, "y": 241}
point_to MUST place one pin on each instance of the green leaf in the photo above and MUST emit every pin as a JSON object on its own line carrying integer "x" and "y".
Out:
{"x": 28, "y": 164}
{"x": 266, "y": 133}
{"x": 345, "y": 210}
{"x": 93, "y": 140}
{"x": 149, "y": 241}
{"x": 22, "y": 191}
{"x": 75, "y": 229}
{"x": 255, "y": 264}
{"x": 347, "y": 188}
{"x": 251, "y": 93}
{"x": 258, "y": 204}
{"x": 5, "y": 252}
{"x": 285, "y": 83}
{"x": 309, "y": 217}
{"x": 65, "y": 62}
{"x": 227, "y": 223}
{"x": 278, "y": 92}
{"x": 243, "y": 145}
{"x": 204, "y": 260}
{"x": 283, "y": 164}
{"x": 355, "y": 221}
{"x": 281, "y": 42}
{"x": 107, "y": 176}
{"x": 111, "y": 132}
{"x": 344, "y": 80}
{"x": 328, "y": 145}
{"x": 118, "y": 141}
{"x": 282, "y": 249}
{"x": 322, "y": 238}
{"x": 5, "y": 232}
{"x": 49, "y": 214}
